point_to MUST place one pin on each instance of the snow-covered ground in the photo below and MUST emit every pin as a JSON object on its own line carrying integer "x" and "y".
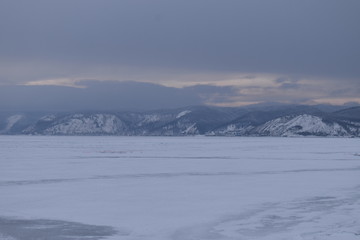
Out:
{"x": 180, "y": 188}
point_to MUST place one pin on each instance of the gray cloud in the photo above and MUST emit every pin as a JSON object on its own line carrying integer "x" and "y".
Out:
{"x": 103, "y": 96}
{"x": 287, "y": 80}
{"x": 213, "y": 95}
{"x": 290, "y": 86}
{"x": 141, "y": 40}
{"x": 119, "y": 96}
{"x": 278, "y": 36}
{"x": 349, "y": 92}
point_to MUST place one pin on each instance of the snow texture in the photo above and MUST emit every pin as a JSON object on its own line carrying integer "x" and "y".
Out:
{"x": 301, "y": 125}
{"x": 48, "y": 118}
{"x": 179, "y": 188}
{"x": 183, "y": 113}
{"x": 294, "y": 121}
{"x": 11, "y": 121}
{"x": 150, "y": 118}
{"x": 84, "y": 125}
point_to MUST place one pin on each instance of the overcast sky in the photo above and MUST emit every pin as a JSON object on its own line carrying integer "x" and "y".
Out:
{"x": 240, "y": 51}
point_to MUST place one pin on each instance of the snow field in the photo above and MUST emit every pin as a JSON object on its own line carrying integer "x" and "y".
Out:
{"x": 185, "y": 187}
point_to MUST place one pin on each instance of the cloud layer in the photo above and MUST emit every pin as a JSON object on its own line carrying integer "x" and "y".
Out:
{"x": 311, "y": 45}
{"x": 122, "y": 96}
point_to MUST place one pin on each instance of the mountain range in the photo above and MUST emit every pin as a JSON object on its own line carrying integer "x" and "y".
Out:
{"x": 258, "y": 120}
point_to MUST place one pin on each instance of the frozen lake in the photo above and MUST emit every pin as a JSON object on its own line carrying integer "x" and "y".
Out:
{"x": 179, "y": 188}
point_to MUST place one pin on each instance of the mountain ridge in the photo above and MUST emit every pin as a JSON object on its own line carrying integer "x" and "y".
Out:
{"x": 282, "y": 121}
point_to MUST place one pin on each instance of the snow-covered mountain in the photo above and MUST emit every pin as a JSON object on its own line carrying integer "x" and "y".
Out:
{"x": 202, "y": 120}
{"x": 301, "y": 125}
{"x": 78, "y": 124}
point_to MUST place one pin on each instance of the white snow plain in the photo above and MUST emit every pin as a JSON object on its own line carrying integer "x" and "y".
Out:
{"x": 179, "y": 188}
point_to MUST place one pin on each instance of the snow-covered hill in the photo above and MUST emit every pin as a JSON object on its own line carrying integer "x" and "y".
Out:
{"x": 87, "y": 124}
{"x": 287, "y": 121}
{"x": 301, "y": 125}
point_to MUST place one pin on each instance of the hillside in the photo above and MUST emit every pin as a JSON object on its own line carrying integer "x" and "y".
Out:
{"x": 199, "y": 120}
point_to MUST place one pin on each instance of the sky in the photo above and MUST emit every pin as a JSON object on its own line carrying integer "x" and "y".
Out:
{"x": 161, "y": 53}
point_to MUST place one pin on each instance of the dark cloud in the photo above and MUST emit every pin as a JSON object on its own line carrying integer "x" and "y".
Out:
{"x": 163, "y": 41}
{"x": 278, "y": 36}
{"x": 119, "y": 96}
{"x": 214, "y": 94}
{"x": 286, "y": 80}
{"x": 348, "y": 92}
{"x": 210, "y": 89}
{"x": 290, "y": 86}
{"x": 96, "y": 96}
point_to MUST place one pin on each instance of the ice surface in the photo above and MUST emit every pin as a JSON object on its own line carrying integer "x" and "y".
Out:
{"x": 180, "y": 188}
{"x": 41, "y": 229}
